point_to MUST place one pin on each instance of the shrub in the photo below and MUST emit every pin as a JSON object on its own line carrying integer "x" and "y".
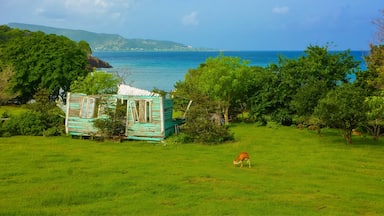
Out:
{"x": 205, "y": 124}
{"x": 113, "y": 125}
{"x": 5, "y": 114}
{"x": 42, "y": 118}
{"x": 54, "y": 131}
{"x": 28, "y": 123}
{"x": 180, "y": 138}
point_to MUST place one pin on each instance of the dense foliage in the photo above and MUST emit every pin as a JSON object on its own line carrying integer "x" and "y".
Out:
{"x": 204, "y": 124}
{"x": 34, "y": 60}
{"x": 221, "y": 79}
{"x": 375, "y": 114}
{"x": 293, "y": 87}
{"x": 212, "y": 87}
{"x": 97, "y": 82}
{"x": 343, "y": 108}
{"x": 113, "y": 123}
{"x": 6, "y": 93}
{"x": 314, "y": 90}
{"x": 43, "y": 117}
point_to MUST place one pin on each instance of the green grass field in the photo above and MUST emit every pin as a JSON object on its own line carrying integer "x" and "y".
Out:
{"x": 12, "y": 110}
{"x": 294, "y": 172}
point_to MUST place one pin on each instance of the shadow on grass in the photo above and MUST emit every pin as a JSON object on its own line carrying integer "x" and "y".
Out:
{"x": 335, "y": 136}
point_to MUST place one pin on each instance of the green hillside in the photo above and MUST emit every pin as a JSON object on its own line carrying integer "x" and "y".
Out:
{"x": 107, "y": 42}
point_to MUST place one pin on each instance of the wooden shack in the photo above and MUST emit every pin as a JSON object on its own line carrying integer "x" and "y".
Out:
{"x": 148, "y": 115}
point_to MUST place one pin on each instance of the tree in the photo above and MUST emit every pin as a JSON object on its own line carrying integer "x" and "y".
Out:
{"x": 97, "y": 82}
{"x": 85, "y": 47}
{"x": 261, "y": 94}
{"x": 204, "y": 125}
{"x": 296, "y": 85}
{"x": 375, "y": 114}
{"x": 202, "y": 86}
{"x": 306, "y": 98}
{"x": 41, "y": 61}
{"x": 222, "y": 79}
{"x": 373, "y": 78}
{"x": 5, "y": 85}
{"x": 379, "y": 22}
{"x": 343, "y": 108}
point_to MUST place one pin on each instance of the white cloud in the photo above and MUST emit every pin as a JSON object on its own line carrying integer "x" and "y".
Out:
{"x": 84, "y": 7}
{"x": 190, "y": 19}
{"x": 88, "y": 6}
{"x": 93, "y": 14}
{"x": 280, "y": 10}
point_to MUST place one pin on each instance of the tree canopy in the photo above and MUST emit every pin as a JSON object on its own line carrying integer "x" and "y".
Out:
{"x": 221, "y": 79}
{"x": 97, "y": 82}
{"x": 343, "y": 108}
{"x": 294, "y": 86}
{"x": 39, "y": 60}
{"x": 314, "y": 89}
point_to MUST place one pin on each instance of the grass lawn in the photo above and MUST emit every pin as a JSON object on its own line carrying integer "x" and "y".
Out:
{"x": 12, "y": 110}
{"x": 294, "y": 172}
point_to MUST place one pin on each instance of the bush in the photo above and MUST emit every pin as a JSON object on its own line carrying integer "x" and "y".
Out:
{"x": 42, "y": 118}
{"x": 180, "y": 138}
{"x": 5, "y": 114}
{"x": 206, "y": 132}
{"x": 54, "y": 131}
{"x": 33, "y": 123}
{"x": 28, "y": 123}
{"x": 113, "y": 125}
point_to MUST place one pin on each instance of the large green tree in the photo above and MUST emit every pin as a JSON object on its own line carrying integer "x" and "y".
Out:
{"x": 262, "y": 94}
{"x": 41, "y": 61}
{"x": 213, "y": 87}
{"x": 373, "y": 78}
{"x": 343, "y": 108}
{"x": 296, "y": 85}
{"x": 221, "y": 79}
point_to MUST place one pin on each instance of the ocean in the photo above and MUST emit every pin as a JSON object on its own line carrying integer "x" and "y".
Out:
{"x": 149, "y": 70}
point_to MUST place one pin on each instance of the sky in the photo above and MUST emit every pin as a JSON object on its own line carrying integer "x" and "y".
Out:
{"x": 218, "y": 24}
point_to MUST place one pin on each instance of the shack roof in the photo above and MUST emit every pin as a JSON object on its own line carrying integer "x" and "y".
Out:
{"x": 132, "y": 91}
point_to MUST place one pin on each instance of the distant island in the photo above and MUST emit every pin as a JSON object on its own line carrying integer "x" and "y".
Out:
{"x": 109, "y": 42}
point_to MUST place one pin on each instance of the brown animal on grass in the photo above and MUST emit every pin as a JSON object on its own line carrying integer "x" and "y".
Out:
{"x": 243, "y": 156}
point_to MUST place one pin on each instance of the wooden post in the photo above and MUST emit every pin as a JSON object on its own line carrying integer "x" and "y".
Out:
{"x": 67, "y": 113}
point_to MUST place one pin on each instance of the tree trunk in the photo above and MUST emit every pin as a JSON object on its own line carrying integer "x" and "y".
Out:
{"x": 347, "y": 134}
{"x": 376, "y": 132}
{"x": 226, "y": 117}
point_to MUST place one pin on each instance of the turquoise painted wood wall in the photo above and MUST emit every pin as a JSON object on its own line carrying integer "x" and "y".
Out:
{"x": 83, "y": 109}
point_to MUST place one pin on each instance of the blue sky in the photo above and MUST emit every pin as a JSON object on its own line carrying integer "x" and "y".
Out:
{"x": 220, "y": 24}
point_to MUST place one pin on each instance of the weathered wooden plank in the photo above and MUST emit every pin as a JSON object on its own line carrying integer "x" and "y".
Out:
{"x": 153, "y": 117}
{"x": 146, "y": 138}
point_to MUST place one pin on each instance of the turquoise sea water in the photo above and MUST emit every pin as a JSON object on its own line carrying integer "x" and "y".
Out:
{"x": 162, "y": 70}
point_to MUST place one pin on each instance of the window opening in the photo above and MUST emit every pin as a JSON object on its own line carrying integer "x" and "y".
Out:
{"x": 89, "y": 107}
{"x": 142, "y": 111}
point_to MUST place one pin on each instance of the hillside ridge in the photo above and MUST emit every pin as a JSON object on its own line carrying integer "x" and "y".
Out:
{"x": 108, "y": 42}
